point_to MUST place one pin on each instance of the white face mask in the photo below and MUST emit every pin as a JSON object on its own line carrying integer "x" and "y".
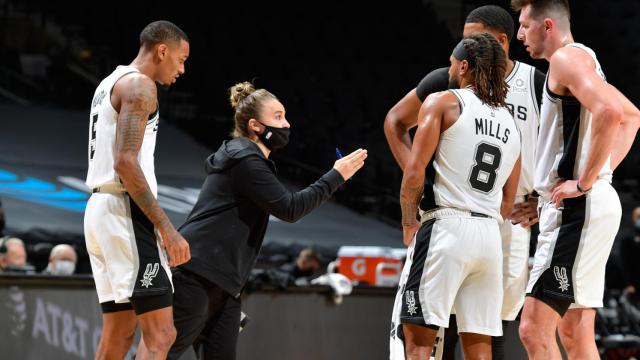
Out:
{"x": 63, "y": 267}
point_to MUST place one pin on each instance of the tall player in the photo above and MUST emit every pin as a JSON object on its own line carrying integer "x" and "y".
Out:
{"x": 523, "y": 99}
{"x": 125, "y": 228}
{"x": 586, "y": 129}
{"x": 469, "y": 145}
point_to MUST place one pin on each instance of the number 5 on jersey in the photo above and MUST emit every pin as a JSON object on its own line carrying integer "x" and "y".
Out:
{"x": 92, "y": 136}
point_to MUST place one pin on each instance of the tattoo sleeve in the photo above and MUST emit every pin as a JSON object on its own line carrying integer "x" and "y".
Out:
{"x": 409, "y": 199}
{"x": 139, "y": 100}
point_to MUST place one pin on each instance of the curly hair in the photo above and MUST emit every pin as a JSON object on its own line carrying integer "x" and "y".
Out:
{"x": 489, "y": 69}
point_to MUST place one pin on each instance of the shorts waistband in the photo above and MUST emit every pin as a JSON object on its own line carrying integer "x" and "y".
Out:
{"x": 442, "y": 213}
{"x": 110, "y": 188}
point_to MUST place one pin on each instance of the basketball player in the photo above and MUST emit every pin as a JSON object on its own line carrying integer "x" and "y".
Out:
{"x": 469, "y": 144}
{"x": 125, "y": 228}
{"x": 586, "y": 129}
{"x": 523, "y": 99}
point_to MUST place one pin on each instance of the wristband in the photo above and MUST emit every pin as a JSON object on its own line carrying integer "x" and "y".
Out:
{"x": 581, "y": 189}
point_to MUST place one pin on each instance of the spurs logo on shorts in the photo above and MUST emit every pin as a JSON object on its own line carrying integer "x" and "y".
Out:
{"x": 149, "y": 273}
{"x": 411, "y": 303}
{"x": 561, "y": 275}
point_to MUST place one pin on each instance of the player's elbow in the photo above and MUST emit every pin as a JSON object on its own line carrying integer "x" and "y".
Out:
{"x": 411, "y": 174}
{"x": 124, "y": 162}
{"x": 393, "y": 124}
{"x": 635, "y": 119}
{"x": 612, "y": 112}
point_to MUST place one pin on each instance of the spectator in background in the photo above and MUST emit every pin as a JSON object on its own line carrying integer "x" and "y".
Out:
{"x": 296, "y": 272}
{"x": 307, "y": 263}
{"x": 630, "y": 252}
{"x": 13, "y": 256}
{"x": 62, "y": 260}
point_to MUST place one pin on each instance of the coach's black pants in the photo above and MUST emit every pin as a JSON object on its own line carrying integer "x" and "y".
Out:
{"x": 205, "y": 316}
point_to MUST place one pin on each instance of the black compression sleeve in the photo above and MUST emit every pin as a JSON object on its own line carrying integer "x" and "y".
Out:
{"x": 435, "y": 81}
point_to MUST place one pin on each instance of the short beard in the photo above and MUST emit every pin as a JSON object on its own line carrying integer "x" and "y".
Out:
{"x": 454, "y": 83}
{"x": 164, "y": 87}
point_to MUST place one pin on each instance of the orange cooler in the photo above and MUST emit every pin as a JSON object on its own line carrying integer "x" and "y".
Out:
{"x": 374, "y": 265}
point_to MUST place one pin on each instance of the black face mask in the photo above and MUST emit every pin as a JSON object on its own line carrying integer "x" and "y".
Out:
{"x": 274, "y": 138}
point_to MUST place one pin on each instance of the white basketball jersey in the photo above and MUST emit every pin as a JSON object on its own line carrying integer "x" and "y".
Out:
{"x": 473, "y": 160}
{"x": 521, "y": 100}
{"x": 565, "y": 137}
{"x": 102, "y": 137}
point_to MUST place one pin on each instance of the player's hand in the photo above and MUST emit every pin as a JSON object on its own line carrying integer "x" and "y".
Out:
{"x": 350, "y": 164}
{"x": 177, "y": 248}
{"x": 525, "y": 213}
{"x": 564, "y": 190}
{"x": 408, "y": 232}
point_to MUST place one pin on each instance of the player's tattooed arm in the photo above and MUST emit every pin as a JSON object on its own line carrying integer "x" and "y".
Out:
{"x": 434, "y": 112}
{"x": 433, "y": 118}
{"x": 410, "y": 194}
{"x": 409, "y": 199}
{"x": 139, "y": 99}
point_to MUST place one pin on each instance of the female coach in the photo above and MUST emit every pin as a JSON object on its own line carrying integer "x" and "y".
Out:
{"x": 227, "y": 225}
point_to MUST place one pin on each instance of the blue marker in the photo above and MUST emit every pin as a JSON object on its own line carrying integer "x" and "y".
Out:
{"x": 340, "y": 156}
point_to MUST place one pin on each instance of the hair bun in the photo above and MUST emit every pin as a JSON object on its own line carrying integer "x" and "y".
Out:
{"x": 240, "y": 91}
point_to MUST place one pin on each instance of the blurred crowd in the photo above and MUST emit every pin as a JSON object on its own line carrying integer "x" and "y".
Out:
{"x": 14, "y": 257}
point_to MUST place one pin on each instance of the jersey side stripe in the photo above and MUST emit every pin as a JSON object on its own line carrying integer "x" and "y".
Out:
{"x": 571, "y": 135}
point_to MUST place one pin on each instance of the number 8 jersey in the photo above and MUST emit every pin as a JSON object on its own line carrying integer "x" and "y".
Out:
{"x": 473, "y": 160}
{"x": 102, "y": 136}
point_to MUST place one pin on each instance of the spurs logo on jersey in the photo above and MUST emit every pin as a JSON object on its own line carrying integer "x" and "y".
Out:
{"x": 473, "y": 160}
{"x": 521, "y": 101}
{"x": 563, "y": 148}
{"x": 102, "y": 135}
